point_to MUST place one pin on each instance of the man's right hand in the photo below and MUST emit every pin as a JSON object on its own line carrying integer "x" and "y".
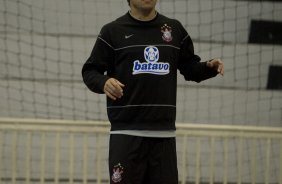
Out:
{"x": 113, "y": 88}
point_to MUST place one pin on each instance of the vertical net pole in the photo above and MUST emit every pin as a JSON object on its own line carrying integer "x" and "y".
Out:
{"x": 280, "y": 161}
{"x": 225, "y": 167}
{"x": 57, "y": 157}
{"x": 184, "y": 171}
{"x": 253, "y": 161}
{"x": 71, "y": 158}
{"x": 240, "y": 158}
{"x": 27, "y": 158}
{"x": 42, "y": 158}
{"x": 198, "y": 160}
{"x": 1, "y": 164}
{"x": 85, "y": 158}
{"x": 14, "y": 157}
{"x": 212, "y": 140}
{"x": 98, "y": 158}
{"x": 267, "y": 164}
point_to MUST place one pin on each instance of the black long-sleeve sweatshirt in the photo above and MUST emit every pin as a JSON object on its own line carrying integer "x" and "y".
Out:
{"x": 144, "y": 56}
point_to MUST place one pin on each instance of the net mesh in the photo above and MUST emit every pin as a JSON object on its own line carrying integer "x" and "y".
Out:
{"x": 45, "y": 43}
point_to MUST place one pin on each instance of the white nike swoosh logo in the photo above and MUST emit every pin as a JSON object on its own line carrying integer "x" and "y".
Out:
{"x": 128, "y": 36}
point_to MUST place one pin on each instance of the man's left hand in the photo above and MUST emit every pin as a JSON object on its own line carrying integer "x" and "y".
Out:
{"x": 217, "y": 65}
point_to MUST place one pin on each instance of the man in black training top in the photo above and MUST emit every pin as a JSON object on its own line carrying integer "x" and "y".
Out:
{"x": 134, "y": 62}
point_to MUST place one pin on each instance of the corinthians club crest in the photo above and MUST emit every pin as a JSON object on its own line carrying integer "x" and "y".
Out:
{"x": 117, "y": 173}
{"x": 166, "y": 30}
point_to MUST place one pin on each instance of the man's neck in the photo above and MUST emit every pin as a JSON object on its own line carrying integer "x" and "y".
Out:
{"x": 143, "y": 15}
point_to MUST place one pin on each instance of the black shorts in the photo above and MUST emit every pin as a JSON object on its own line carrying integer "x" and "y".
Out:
{"x": 142, "y": 160}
